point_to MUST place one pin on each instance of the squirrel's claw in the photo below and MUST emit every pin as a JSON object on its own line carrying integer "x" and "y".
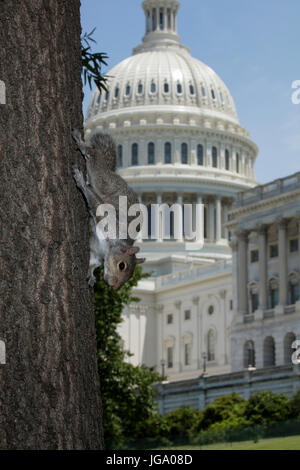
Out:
{"x": 76, "y": 135}
{"x": 91, "y": 281}
{"x": 78, "y": 177}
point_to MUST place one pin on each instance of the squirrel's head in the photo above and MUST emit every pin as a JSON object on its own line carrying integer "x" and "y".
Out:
{"x": 119, "y": 265}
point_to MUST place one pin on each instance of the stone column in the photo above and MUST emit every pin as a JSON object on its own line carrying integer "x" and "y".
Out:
{"x": 176, "y": 151}
{"x": 222, "y": 157}
{"x": 198, "y": 331}
{"x": 139, "y": 236}
{"x": 178, "y": 231}
{"x": 199, "y": 219}
{"x": 223, "y": 347}
{"x": 165, "y": 19}
{"x": 243, "y": 273}
{"x": 263, "y": 266}
{"x": 158, "y": 217}
{"x": 193, "y": 152}
{"x": 157, "y": 19}
{"x": 126, "y": 154}
{"x": 211, "y": 220}
{"x": 209, "y": 154}
{"x": 159, "y": 152}
{"x": 178, "y": 341}
{"x": 218, "y": 219}
{"x": 282, "y": 241}
{"x": 143, "y": 154}
{"x": 160, "y": 334}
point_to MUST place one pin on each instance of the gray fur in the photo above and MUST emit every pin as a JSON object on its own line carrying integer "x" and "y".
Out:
{"x": 103, "y": 185}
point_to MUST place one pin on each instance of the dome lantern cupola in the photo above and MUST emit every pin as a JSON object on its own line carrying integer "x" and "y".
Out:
{"x": 161, "y": 20}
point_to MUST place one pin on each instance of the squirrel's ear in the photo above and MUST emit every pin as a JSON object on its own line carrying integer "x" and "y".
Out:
{"x": 140, "y": 260}
{"x": 130, "y": 250}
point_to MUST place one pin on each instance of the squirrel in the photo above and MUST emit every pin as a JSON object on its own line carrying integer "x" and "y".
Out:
{"x": 104, "y": 186}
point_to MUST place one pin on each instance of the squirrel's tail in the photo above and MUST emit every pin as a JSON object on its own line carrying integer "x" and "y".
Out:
{"x": 105, "y": 145}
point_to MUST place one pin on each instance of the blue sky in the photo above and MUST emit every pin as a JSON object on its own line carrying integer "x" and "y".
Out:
{"x": 252, "y": 44}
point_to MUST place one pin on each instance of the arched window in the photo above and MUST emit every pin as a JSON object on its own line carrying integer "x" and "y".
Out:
{"x": 249, "y": 354}
{"x": 120, "y": 156}
{"x": 153, "y": 87}
{"x": 269, "y": 351}
{"x": 168, "y": 152}
{"x": 203, "y": 91}
{"x": 117, "y": 92}
{"x": 179, "y": 88}
{"x": 213, "y": 94}
{"x": 211, "y": 345}
{"x": 237, "y": 163}
{"x": 273, "y": 292}
{"x": 227, "y": 161}
{"x": 293, "y": 288}
{"x": 166, "y": 87}
{"x": 287, "y": 347}
{"x": 107, "y": 95}
{"x": 192, "y": 89}
{"x": 184, "y": 154}
{"x": 200, "y": 154}
{"x": 134, "y": 154}
{"x": 151, "y": 153}
{"x": 215, "y": 157}
{"x": 140, "y": 88}
{"x": 127, "y": 90}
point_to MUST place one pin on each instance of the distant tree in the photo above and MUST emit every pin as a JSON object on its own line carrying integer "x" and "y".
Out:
{"x": 127, "y": 391}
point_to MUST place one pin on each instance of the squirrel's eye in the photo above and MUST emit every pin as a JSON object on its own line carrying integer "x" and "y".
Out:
{"x": 122, "y": 266}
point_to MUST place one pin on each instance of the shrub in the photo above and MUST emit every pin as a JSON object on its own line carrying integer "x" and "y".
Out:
{"x": 267, "y": 407}
{"x": 181, "y": 421}
{"x": 223, "y": 409}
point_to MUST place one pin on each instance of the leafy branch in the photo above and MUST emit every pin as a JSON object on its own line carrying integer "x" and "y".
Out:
{"x": 92, "y": 63}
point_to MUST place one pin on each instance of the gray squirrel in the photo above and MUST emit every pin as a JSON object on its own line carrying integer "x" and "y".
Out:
{"x": 104, "y": 186}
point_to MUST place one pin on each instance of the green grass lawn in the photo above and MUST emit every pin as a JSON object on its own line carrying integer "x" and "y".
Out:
{"x": 278, "y": 443}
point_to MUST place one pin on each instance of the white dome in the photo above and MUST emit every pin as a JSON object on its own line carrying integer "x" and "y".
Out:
{"x": 161, "y": 72}
{"x": 165, "y": 75}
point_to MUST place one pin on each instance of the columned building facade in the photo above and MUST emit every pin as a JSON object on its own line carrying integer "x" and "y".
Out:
{"x": 266, "y": 263}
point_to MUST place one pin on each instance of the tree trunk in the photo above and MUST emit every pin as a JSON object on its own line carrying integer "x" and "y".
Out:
{"x": 49, "y": 386}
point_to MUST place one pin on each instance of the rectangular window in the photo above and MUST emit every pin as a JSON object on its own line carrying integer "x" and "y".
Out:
{"x": 170, "y": 357}
{"x": 187, "y": 354}
{"x": 254, "y": 256}
{"x": 273, "y": 298}
{"x": 169, "y": 318}
{"x": 294, "y": 245}
{"x": 187, "y": 315}
{"x": 273, "y": 251}
{"x": 254, "y": 302}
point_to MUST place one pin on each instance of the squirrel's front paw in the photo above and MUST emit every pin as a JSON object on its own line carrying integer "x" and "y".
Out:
{"x": 78, "y": 177}
{"x": 76, "y": 135}
{"x": 91, "y": 281}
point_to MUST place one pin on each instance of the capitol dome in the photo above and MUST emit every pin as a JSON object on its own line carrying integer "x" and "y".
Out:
{"x": 178, "y": 135}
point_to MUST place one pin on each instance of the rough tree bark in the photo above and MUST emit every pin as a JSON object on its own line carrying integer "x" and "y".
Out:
{"x": 49, "y": 387}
